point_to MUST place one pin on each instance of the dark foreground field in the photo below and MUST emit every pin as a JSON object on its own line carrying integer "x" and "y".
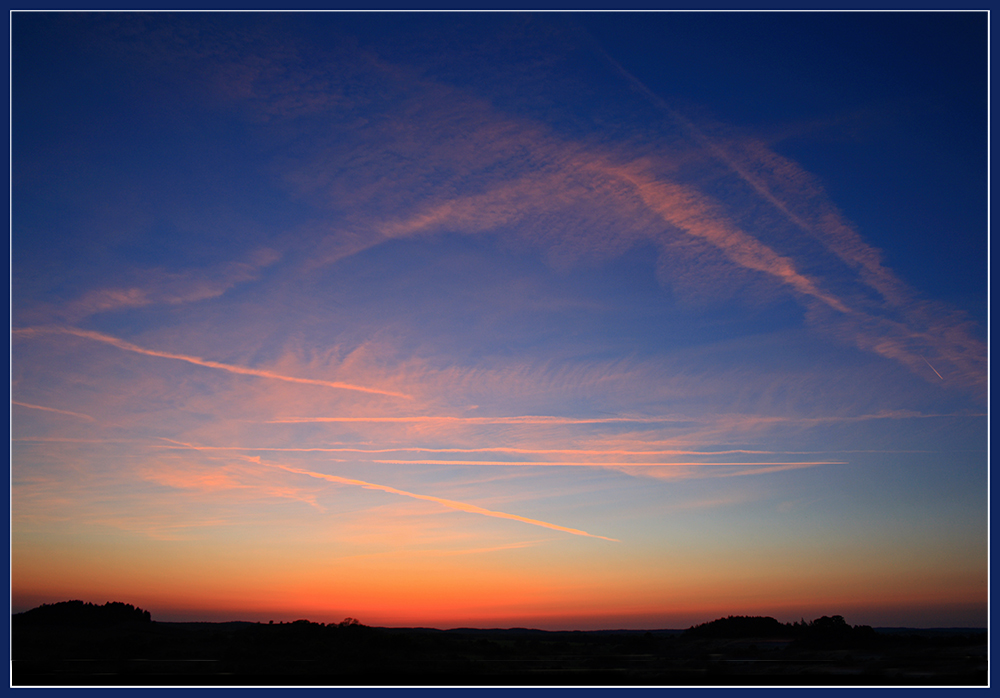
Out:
{"x": 127, "y": 648}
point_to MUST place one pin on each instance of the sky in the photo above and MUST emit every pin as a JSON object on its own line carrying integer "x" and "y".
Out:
{"x": 551, "y": 320}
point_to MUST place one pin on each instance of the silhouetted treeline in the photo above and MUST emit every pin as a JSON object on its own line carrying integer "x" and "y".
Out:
{"x": 827, "y": 631}
{"x": 78, "y": 613}
{"x": 737, "y": 650}
{"x": 740, "y": 626}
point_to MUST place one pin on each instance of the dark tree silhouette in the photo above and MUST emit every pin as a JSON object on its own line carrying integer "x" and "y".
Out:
{"x": 740, "y": 626}
{"x": 833, "y": 631}
{"x": 78, "y": 613}
{"x": 824, "y": 632}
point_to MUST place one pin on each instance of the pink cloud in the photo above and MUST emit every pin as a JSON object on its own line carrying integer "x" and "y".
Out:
{"x": 156, "y": 286}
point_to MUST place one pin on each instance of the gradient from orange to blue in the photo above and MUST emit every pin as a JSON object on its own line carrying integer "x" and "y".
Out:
{"x": 553, "y": 320}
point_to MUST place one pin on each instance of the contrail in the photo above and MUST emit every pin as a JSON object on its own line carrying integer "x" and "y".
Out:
{"x": 52, "y": 409}
{"x": 789, "y": 276}
{"x": 525, "y": 419}
{"x": 60, "y": 440}
{"x": 838, "y": 237}
{"x": 422, "y": 461}
{"x": 451, "y": 504}
{"x": 242, "y": 370}
{"x": 484, "y": 449}
{"x": 561, "y": 421}
{"x": 932, "y": 368}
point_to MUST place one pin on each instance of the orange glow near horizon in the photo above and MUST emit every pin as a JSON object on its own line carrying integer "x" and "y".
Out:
{"x": 447, "y": 596}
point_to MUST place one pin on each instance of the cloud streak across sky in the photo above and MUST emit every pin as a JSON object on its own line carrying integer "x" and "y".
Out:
{"x": 460, "y": 506}
{"x": 242, "y": 370}
{"x": 660, "y": 288}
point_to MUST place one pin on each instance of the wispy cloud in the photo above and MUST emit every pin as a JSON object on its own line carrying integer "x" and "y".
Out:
{"x": 577, "y": 199}
{"x": 928, "y": 328}
{"x": 159, "y": 286}
{"x": 462, "y": 165}
{"x": 226, "y": 478}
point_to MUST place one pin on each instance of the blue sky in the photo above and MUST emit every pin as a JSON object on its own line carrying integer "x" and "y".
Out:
{"x": 557, "y": 319}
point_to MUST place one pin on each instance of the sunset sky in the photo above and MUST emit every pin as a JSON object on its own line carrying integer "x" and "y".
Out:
{"x": 557, "y": 320}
